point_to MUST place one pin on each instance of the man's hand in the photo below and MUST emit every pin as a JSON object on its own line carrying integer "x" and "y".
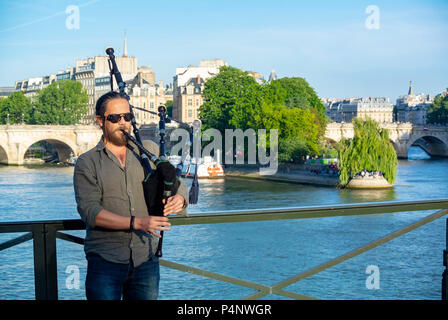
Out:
{"x": 151, "y": 224}
{"x": 174, "y": 204}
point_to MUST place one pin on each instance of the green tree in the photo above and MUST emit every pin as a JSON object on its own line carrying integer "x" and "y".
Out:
{"x": 299, "y": 94}
{"x": 370, "y": 149}
{"x": 169, "y": 108}
{"x": 292, "y": 149}
{"x": 16, "y": 108}
{"x": 62, "y": 102}
{"x": 234, "y": 100}
{"x": 438, "y": 111}
{"x": 292, "y": 125}
{"x": 229, "y": 99}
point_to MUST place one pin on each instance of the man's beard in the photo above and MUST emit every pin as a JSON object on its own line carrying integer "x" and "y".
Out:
{"x": 117, "y": 137}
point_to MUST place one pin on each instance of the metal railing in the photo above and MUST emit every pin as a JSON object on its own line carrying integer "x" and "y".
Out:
{"x": 45, "y": 233}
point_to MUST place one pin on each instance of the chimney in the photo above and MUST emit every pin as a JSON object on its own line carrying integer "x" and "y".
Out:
{"x": 199, "y": 79}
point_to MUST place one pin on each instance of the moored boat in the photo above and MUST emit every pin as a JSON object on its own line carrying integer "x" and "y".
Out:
{"x": 207, "y": 168}
{"x": 72, "y": 160}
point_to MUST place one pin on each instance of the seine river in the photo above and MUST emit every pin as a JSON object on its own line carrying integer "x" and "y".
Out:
{"x": 409, "y": 267}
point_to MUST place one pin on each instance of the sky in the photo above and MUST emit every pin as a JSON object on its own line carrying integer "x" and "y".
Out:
{"x": 342, "y": 48}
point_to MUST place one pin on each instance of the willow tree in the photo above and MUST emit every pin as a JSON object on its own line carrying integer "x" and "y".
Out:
{"x": 370, "y": 149}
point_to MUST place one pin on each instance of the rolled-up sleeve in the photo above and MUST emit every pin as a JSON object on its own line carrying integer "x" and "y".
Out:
{"x": 87, "y": 192}
{"x": 183, "y": 191}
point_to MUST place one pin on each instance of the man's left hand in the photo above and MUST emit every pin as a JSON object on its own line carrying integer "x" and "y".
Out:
{"x": 174, "y": 204}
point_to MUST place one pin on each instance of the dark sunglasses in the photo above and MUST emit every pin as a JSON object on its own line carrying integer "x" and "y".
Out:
{"x": 115, "y": 118}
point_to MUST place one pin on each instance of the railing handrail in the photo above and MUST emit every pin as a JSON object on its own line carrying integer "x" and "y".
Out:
{"x": 247, "y": 215}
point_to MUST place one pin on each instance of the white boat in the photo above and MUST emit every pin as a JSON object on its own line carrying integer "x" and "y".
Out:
{"x": 208, "y": 168}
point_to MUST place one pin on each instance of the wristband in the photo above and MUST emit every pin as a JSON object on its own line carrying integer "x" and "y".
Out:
{"x": 131, "y": 225}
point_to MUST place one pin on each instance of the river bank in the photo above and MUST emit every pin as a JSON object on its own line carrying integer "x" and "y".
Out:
{"x": 294, "y": 173}
{"x": 305, "y": 174}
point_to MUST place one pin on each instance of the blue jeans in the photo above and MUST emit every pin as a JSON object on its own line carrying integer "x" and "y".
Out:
{"x": 112, "y": 281}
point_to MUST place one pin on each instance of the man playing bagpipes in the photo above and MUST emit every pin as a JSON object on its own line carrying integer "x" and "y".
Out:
{"x": 121, "y": 238}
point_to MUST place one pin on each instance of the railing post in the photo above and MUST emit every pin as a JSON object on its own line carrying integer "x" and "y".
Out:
{"x": 45, "y": 266}
{"x": 445, "y": 272}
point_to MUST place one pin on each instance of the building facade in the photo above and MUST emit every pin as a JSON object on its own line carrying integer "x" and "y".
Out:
{"x": 413, "y": 107}
{"x": 145, "y": 94}
{"x": 94, "y": 75}
{"x": 257, "y": 76}
{"x": 30, "y": 86}
{"x": 344, "y": 110}
{"x": 6, "y": 91}
{"x": 188, "y": 85}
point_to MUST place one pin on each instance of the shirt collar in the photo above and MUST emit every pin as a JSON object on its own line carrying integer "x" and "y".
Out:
{"x": 100, "y": 146}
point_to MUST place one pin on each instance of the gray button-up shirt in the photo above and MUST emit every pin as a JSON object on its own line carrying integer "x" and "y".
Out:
{"x": 101, "y": 182}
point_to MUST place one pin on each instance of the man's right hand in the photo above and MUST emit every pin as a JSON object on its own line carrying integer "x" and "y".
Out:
{"x": 151, "y": 224}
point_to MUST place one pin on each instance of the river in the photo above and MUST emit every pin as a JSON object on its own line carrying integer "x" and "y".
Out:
{"x": 409, "y": 267}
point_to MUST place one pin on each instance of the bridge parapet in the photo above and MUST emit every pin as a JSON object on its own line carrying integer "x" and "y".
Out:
{"x": 16, "y": 139}
{"x": 402, "y": 136}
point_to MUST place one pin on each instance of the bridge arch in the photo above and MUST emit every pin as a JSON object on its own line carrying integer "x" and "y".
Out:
{"x": 3, "y": 155}
{"x": 394, "y": 145}
{"x": 64, "y": 147}
{"x": 432, "y": 145}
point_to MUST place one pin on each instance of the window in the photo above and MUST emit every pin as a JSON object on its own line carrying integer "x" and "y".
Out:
{"x": 190, "y": 113}
{"x": 190, "y": 102}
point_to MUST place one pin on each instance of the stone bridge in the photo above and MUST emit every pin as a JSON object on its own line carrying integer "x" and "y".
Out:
{"x": 16, "y": 139}
{"x": 432, "y": 139}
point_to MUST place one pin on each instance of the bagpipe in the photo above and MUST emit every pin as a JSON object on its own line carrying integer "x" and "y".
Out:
{"x": 162, "y": 183}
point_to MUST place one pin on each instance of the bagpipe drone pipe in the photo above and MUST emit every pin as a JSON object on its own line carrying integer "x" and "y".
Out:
{"x": 162, "y": 183}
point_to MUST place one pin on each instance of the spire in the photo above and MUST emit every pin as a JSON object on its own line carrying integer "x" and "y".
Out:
{"x": 125, "y": 47}
{"x": 411, "y": 92}
{"x": 272, "y": 76}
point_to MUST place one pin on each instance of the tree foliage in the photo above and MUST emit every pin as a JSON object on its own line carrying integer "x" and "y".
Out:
{"x": 62, "y": 102}
{"x": 234, "y": 100}
{"x": 291, "y": 149}
{"x": 230, "y": 98}
{"x": 15, "y": 109}
{"x": 438, "y": 111}
{"x": 370, "y": 149}
{"x": 169, "y": 108}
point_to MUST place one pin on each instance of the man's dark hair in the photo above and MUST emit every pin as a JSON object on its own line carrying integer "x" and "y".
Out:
{"x": 101, "y": 104}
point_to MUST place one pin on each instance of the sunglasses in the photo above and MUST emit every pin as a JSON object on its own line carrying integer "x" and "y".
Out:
{"x": 115, "y": 118}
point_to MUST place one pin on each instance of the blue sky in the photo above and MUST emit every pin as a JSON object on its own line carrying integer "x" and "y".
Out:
{"x": 326, "y": 42}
